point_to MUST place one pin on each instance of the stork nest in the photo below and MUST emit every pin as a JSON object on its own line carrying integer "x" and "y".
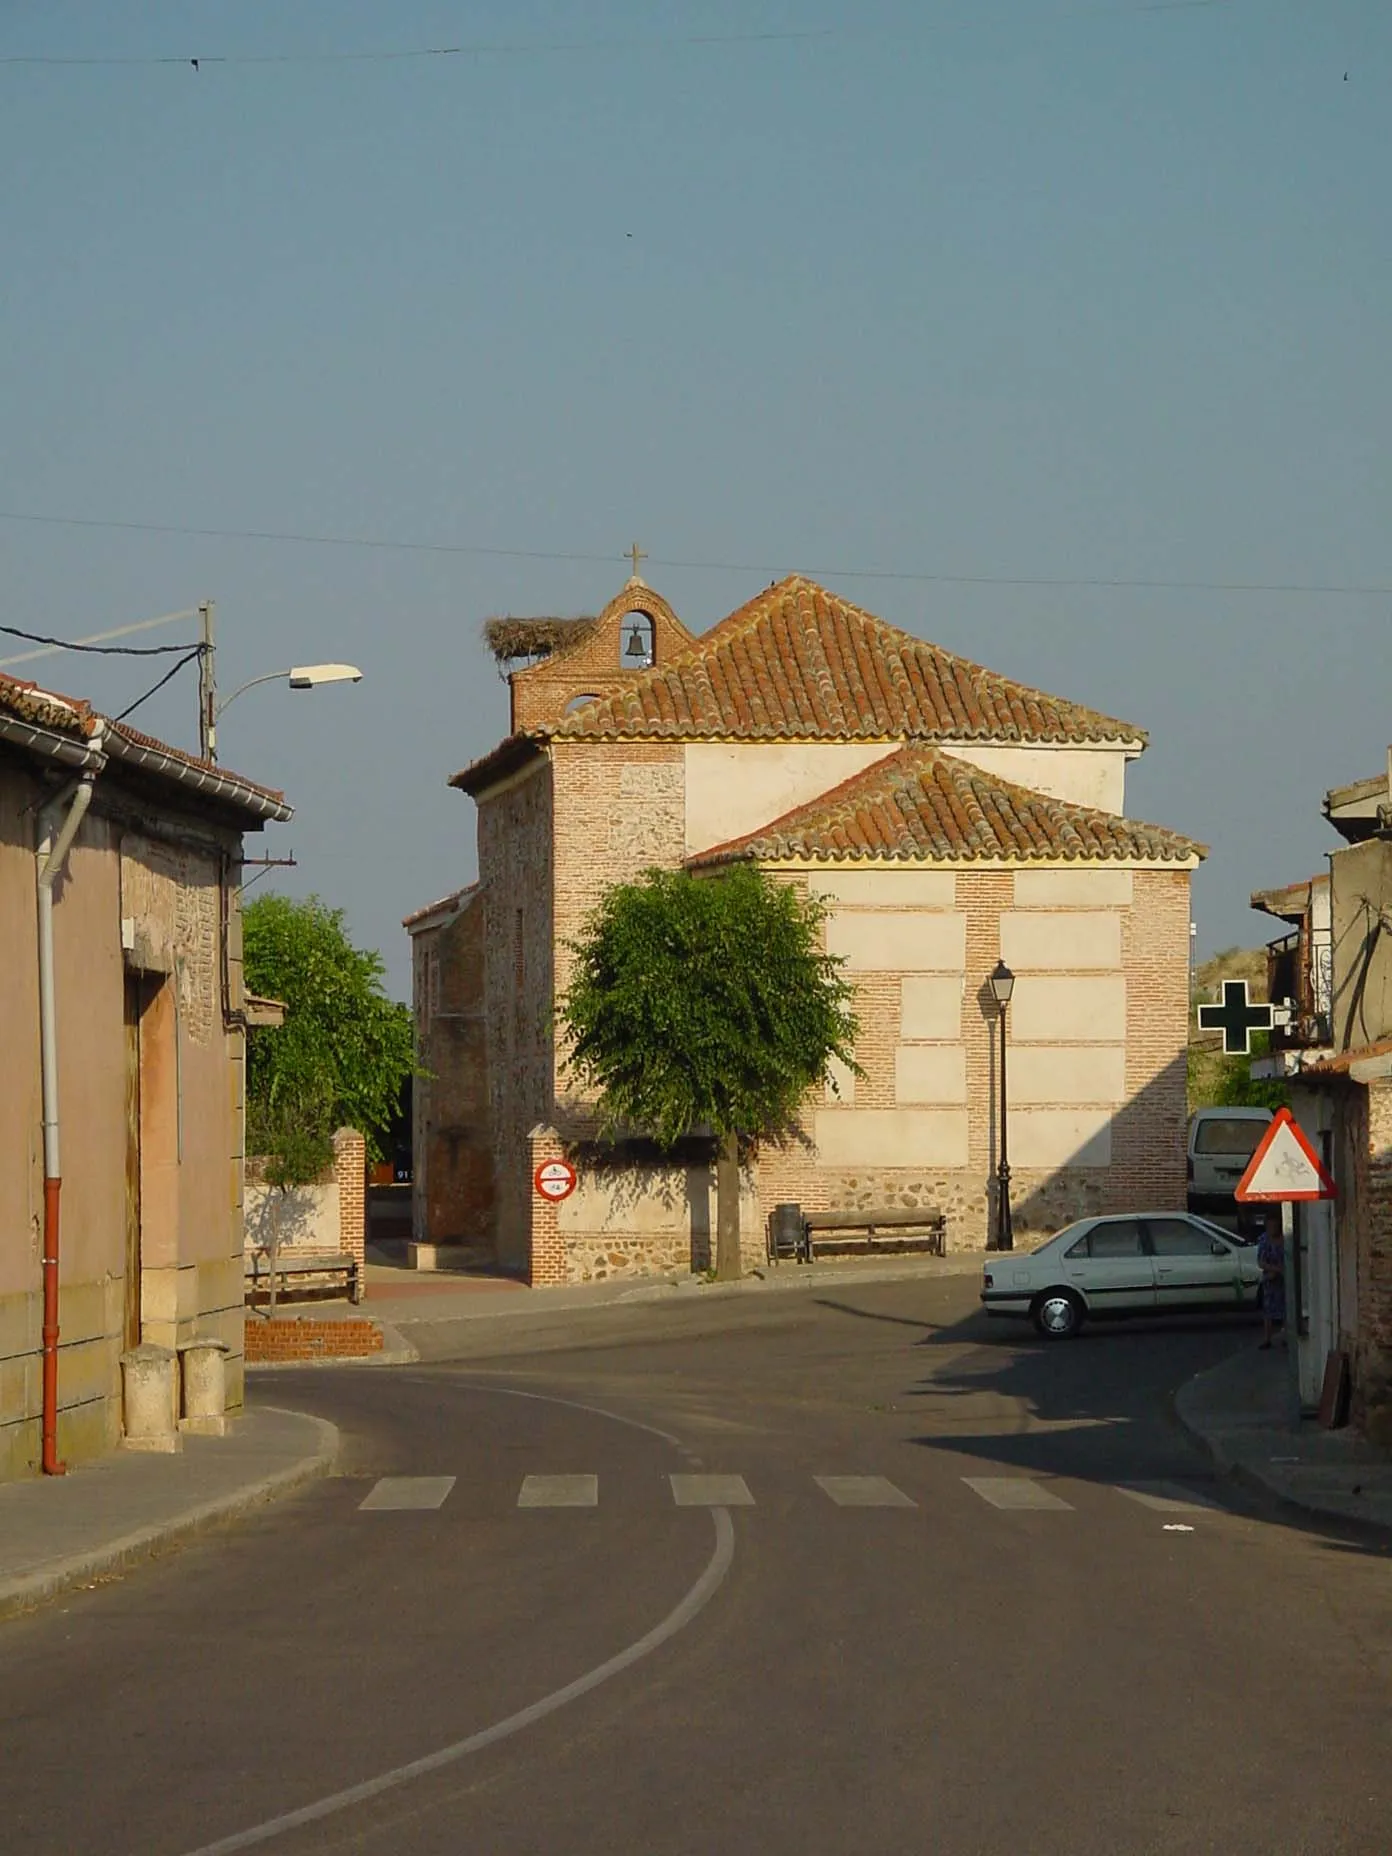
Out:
{"x": 510, "y": 638}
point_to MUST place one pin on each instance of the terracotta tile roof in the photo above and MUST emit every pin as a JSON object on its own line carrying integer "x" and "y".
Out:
{"x": 196, "y": 763}
{"x": 45, "y": 708}
{"x": 800, "y": 663}
{"x": 68, "y": 715}
{"x": 921, "y": 804}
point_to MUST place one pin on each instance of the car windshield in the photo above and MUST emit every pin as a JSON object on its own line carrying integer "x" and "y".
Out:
{"x": 1229, "y": 1135}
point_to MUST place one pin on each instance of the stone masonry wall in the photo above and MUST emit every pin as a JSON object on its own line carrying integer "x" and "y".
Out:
{"x": 1372, "y": 1409}
{"x": 515, "y": 876}
{"x": 452, "y": 1190}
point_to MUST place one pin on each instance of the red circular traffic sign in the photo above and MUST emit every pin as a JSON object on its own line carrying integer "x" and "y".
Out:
{"x": 555, "y": 1180}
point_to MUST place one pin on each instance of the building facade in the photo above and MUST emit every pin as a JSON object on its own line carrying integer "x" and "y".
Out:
{"x": 947, "y": 817}
{"x": 1336, "y": 1054}
{"x": 121, "y": 1133}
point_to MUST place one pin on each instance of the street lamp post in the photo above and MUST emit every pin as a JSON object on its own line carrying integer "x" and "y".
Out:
{"x": 1003, "y": 1237}
{"x": 302, "y": 677}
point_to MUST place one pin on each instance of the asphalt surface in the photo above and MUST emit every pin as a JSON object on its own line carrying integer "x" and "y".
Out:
{"x": 792, "y": 1675}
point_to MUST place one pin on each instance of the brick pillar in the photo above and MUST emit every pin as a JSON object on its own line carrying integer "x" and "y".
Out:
{"x": 350, "y": 1172}
{"x": 547, "y": 1261}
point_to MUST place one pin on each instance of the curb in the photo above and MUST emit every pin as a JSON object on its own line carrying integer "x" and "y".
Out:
{"x": 34, "y": 1589}
{"x": 1247, "y": 1476}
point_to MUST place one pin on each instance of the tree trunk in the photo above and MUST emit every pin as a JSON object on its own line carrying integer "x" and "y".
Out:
{"x": 727, "y": 1195}
{"x": 277, "y": 1205}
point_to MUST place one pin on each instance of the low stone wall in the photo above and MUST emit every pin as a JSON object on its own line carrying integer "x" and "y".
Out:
{"x": 282, "y": 1342}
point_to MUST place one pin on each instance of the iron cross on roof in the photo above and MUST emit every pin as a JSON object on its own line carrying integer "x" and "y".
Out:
{"x": 636, "y": 554}
{"x": 1237, "y": 1018}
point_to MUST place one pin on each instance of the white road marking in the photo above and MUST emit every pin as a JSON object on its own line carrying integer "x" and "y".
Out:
{"x": 1014, "y": 1492}
{"x": 1168, "y": 1497}
{"x": 863, "y": 1492}
{"x": 559, "y": 1492}
{"x": 408, "y": 1492}
{"x": 711, "y": 1492}
{"x": 688, "y": 1609}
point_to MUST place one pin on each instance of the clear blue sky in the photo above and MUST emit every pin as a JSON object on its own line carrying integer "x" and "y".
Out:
{"x": 1023, "y": 290}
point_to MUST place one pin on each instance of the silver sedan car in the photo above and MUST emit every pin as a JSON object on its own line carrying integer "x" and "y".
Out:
{"x": 1135, "y": 1263}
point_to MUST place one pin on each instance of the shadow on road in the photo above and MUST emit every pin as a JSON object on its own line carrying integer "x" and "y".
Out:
{"x": 1095, "y": 1409}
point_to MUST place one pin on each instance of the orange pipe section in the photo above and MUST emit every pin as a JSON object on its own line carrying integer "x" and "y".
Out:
{"x": 51, "y": 1465}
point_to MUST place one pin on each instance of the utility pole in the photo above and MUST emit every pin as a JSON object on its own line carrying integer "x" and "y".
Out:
{"x": 207, "y": 684}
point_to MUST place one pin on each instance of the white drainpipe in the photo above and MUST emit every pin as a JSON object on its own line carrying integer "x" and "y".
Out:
{"x": 52, "y": 850}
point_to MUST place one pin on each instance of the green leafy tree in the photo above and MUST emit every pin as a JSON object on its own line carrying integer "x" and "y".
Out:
{"x": 705, "y": 1004}
{"x": 345, "y": 1048}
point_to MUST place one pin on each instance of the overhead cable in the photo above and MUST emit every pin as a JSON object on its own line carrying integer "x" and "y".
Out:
{"x": 1064, "y": 582}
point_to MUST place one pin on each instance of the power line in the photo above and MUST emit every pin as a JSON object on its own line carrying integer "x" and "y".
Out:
{"x": 1062, "y": 582}
{"x": 524, "y": 48}
{"x": 155, "y": 688}
{"x": 96, "y": 650}
{"x": 482, "y": 48}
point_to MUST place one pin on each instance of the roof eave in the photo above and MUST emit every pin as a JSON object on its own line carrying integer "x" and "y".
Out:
{"x": 509, "y": 757}
{"x": 208, "y": 782}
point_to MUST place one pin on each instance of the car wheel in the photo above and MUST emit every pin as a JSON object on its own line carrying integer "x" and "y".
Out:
{"x": 1057, "y": 1314}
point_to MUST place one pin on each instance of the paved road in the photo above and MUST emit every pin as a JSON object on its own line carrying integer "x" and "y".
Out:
{"x": 939, "y": 1600}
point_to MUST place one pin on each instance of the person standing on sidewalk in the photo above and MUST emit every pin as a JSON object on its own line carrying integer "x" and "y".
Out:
{"x": 1271, "y": 1261}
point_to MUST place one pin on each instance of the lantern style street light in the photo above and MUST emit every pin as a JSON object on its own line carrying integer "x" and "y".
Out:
{"x": 1003, "y": 1236}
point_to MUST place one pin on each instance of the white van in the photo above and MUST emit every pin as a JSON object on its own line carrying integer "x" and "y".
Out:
{"x": 1221, "y": 1142}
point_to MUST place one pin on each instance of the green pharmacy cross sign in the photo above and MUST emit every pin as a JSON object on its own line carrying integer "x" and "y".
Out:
{"x": 1237, "y": 1018}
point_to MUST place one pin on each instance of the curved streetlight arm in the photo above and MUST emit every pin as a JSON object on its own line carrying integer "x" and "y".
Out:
{"x": 271, "y": 676}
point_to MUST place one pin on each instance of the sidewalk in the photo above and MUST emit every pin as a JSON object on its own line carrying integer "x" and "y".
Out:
{"x": 61, "y": 1532}
{"x": 1244, "y": 1412}
{"x": 398, "y": 1297}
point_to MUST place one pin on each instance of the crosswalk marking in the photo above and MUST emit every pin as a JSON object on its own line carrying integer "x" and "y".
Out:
{"x": 559, "y": 1492}
{"x": 408, "y": 1492}
{"x": 1017, "y": 1492}
{"x": 1014, "y": 1492}
{"x": 1168, "y": 1497}
{"x": 711, "y": 1492}
{"x": 863, "y": 1492}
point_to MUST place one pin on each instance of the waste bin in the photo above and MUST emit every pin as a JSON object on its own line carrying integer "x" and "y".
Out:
{"x": 787, "y": 1233}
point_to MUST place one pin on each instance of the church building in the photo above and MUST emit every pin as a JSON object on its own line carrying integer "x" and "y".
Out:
{"x": 949, "y": 817}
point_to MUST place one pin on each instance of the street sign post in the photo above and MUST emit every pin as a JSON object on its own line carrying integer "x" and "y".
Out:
{"x": 1285, "y": 1169}
{"x": 1237, "y": 1018}
{"x": 555, "y": 1180}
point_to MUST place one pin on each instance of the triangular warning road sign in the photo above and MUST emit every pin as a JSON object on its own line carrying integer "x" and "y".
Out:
{"x": 1285, "y": 1166}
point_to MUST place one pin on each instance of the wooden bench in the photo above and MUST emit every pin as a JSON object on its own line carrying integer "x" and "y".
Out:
{"x": 293, "y": 1265}
{"x": 904, "y": 1226}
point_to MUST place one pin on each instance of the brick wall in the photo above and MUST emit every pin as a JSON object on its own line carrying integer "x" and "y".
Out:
{"x": 282, "y": 1342}
{"x": 453, "y": 1198}
{"x": 1148, "y": 1135}
{"x": 1146, "y": 1131}
{"x": 603, "y": 812}
{"x": 1373, "y": 1351}
{"x": 515, "y": 877}
{"x": 620, "y": 809}
{"x": 350, "y": 1176}
{"x": 596, "y": 666}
